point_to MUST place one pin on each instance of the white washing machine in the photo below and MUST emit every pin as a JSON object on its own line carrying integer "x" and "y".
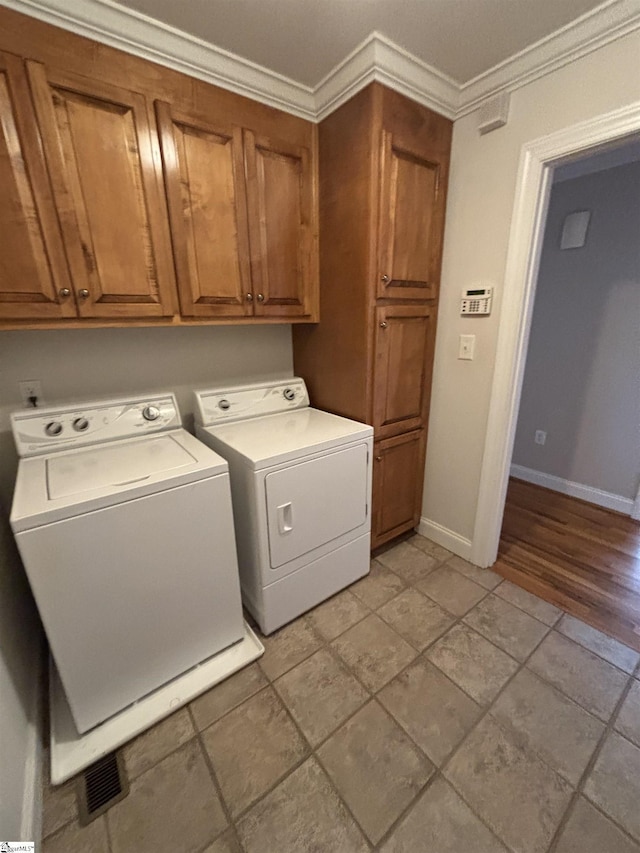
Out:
{"x": 301, "y": 488}
{"x": 124, "y": 524}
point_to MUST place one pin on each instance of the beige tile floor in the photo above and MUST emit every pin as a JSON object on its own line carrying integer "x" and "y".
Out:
{"x": 429, "y": 708}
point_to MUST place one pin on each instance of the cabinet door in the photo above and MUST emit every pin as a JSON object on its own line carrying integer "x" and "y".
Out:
{"x": 204, "y": 180}
{"x": 410, "y": 229}
{"x": 34, "y": 280}
{"x": 398, "y": 474}
{"x": 404, "y": 358}
{"x": 107, "y": 184}
{"x": 280, "y": 202}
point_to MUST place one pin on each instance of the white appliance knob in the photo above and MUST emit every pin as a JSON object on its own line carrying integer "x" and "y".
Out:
{"x": 289, "y": 393}
{"x": 151, "y": 413}
{"x": 224, "y": 405}
{"x": 53, "y": 428}
{"x": 80, "y": 424}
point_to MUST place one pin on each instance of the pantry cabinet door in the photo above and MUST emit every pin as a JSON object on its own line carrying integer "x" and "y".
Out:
{"x": 398, "y": 473}
{"x": 280, "y": 196}
{"x": 411, "y": 223}
{"x": 404, "y": 342}
{"x": 205, "y": 185}
{"x": 34, "y": 279}
{"x": 107, "y": 182}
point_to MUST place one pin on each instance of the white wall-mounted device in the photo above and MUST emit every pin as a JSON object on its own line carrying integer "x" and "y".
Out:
{"x": 574, "y": 230}
{"x": 476, "y": 300}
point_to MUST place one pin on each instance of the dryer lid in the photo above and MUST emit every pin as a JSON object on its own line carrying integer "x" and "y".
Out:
{"x": 273, "y": 439}
{"x": 115, "y": 465}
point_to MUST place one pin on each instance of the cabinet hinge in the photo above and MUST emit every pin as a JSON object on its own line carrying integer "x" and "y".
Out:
{"x": 437, "y": 188}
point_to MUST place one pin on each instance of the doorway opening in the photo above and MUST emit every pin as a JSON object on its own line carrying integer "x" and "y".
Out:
{"x": 561, "y": 152}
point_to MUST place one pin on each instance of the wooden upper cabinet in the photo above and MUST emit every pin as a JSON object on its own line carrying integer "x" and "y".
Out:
{"x": 34, "y": 279}
{"x": 107, "y": 183}
{"x": 410, "y": 225}
{"x": 280, "y": 200}
{"x": 404, "y": 343}
{"x": 205, "y": 185}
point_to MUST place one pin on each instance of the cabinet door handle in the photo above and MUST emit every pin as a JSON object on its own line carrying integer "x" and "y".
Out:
{"x": 260, "y": 297}
{"x": 64, "y": 292}
{"x": 384, "y": 279}
{"x": 383, "y": 325}
{"x": 84, "y": 293}
{"x": 249, "y": 297}
{"x": 378, "y": 458}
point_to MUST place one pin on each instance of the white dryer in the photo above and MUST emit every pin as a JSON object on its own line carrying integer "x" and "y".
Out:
{"x": 301, "y": 489}
{"x": 124, "y": 524}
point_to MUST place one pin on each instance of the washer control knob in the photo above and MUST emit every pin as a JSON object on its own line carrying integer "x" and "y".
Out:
{"x": 80, "y": 424}
{"x": 224, "y": 405}
{"x": 289, "y": 394}
{"x": 53, "y": 428}
{"x": 151, "y": 413}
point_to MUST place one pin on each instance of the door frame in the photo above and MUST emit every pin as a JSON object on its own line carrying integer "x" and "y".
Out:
{"x": 533, "y": 186}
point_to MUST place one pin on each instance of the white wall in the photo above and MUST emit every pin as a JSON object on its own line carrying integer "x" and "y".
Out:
{"x": 92, "y": 364}
{"x": 581, "y": 378}
{"x": 88, "y": 364}
{"x": 482, "y": 189}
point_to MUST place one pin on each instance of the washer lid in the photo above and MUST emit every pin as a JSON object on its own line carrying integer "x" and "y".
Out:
{"x": 119, "y": 464}
{"x": 61, "y": 485}
{"x": 283, "y": 437}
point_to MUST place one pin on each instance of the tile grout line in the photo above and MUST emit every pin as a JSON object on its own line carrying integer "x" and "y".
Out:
{"x": 579, "y": 788}
{"x": 312, "y": 753}
{"x": 216, "y": 783}
{"x": 566, "y": 612}
{"x": 374, "y": 695}
{"x": 107, "y": 829}
{"x": 487, "y": 712}
{"x": 521, "y": 665}
{"x": 438, "y": 770}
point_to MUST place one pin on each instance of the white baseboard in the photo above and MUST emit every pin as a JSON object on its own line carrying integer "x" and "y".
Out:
{"x": 31, "y": 824}
{"x": 445, "y": 537}
{"x": 574, "y": 490}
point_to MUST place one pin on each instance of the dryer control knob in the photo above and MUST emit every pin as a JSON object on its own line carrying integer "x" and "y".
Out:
{"x": 80, "y": 424}
{"x": 151, "y": 413}
{"x": 289, "y": 394}
{"x": 224, "y": 405}
{"x": 53, "y": 428}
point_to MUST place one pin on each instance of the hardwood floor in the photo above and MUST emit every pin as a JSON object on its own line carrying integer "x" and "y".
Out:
{"x": 582, "y": 557}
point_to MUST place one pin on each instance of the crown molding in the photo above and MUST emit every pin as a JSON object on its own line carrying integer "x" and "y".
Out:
{"x": 601, "y": 26}
{"x": 112, "y": 24}
{"x": 376, "y": 58}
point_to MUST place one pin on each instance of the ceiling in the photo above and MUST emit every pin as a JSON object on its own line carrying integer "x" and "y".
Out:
{"x": 305, "y": 39}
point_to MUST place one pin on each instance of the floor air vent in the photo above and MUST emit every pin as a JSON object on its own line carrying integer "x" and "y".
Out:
{"x": 101, "y": 786}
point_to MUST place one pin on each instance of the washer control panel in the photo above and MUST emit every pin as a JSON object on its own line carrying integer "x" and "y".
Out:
{"x": 250, "y": 401}
{"x": 55, "y": 428}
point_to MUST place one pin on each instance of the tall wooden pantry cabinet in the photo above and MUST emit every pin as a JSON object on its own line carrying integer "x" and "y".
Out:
{"x": 384, "y": 164}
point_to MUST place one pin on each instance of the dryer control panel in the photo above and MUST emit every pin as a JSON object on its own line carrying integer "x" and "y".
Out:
{"x": 221, "y": 405}
{"x": 54, "y": 428}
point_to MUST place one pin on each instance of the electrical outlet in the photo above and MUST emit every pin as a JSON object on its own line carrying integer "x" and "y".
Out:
{"x": 540, "y": 436}
{"x": 31, "y": 393}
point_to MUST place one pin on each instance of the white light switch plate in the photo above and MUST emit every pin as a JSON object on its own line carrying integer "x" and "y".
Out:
{"x": 467, "y": 347}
